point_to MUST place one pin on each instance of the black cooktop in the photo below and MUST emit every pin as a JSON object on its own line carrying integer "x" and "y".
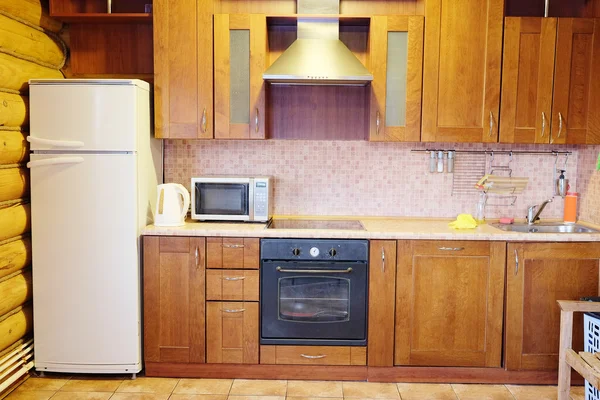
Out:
{"x": 316, "y": 224}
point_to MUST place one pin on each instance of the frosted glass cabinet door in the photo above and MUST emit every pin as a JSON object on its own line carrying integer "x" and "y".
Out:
{"x": 240, "y": 60}
{"x": 396, "y": 51}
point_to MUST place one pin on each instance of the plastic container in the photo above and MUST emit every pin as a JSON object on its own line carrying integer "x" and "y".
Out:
{"x": 570, "y": 213}
{"x": 480, "y": 209}
{"x": 591, "y": 343}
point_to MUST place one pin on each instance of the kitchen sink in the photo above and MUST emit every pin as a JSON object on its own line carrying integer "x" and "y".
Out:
{"x": 546, "y": 227}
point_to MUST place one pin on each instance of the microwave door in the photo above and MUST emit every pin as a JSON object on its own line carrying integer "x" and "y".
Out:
{"x": 223, "y": 201}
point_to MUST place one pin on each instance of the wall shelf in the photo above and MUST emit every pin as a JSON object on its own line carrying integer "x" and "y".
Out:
{"x": 345, "y": 20}
{"x": 115, "y": 18}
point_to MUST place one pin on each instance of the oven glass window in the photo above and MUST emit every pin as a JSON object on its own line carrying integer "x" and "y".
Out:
{"x": 314, "y": 299}
{"x": 222, "y": 198}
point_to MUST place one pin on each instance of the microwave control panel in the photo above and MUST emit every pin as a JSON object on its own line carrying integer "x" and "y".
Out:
{"x": 261, "y": 199}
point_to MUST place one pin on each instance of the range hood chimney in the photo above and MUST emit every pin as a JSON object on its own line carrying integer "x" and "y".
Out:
{"x": 318, "y": 57}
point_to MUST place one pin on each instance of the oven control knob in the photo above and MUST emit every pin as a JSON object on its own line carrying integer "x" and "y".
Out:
{"x": 314, "y": 251}
{"x": 333, "y": 252}
{"x": 296, "y": 251}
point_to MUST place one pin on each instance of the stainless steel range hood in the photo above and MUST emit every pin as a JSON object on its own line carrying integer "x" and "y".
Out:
{"x": 318, "y": 57}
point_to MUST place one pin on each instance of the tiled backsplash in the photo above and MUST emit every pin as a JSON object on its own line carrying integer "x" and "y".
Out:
{"x": 589, "y": 184}
{"x": 377, "y": 179}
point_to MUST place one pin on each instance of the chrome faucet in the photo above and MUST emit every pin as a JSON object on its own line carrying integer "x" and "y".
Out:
{"x": 532, "y": 215}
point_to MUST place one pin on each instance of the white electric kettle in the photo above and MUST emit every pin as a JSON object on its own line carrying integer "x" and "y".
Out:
{"x": 172, "y": 205}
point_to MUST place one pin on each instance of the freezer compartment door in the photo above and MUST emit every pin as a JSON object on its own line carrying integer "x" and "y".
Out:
{"x": 86, "y": 277}
{"x": 86, "y": 117}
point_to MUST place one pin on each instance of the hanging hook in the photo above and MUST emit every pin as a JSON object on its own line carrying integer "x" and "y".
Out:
{"x": 566, "y": 160}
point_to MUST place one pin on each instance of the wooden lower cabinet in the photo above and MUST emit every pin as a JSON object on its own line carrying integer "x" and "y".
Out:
{"x": 382, "y": 277}
{"x": 313, "y": 355}
{"x": 538, "y": 274}
{"x": 232, "y": 253}
{"x": 449, "y": 303}
{"x": 232, "y": 284}
{"x": 232, "y": 332}
{"x": 174, "y": 299}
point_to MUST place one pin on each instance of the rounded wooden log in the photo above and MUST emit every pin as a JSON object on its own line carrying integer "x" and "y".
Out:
{"x": 15, "y": 220}
{"x": 15, "y": 73}
{"x": 26, "y": 42}
{"x": 16, "y": 291}
{"x": 31, "y": 11}
{"x": 15, "y": 326}
{"x": 14, "y": 256}
{"x": 13, "y": 108}
{"x": 14, "y": 147}
{"x": 14, "y": 183}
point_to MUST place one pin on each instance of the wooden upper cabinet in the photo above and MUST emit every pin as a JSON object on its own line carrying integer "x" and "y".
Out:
{"x": 382, "y": 278}
{"x": 550, "y": 81}
{"x": 449, "y": 303}
{"x": 529, "y": 48}
{"x": 183, "y": 77}
{"x": 396, "y": 59}
{"x": 174, "y": 314}
{"x": 538, "y": 274}
{"x": 576, "y": 108}
{"x": 240, "y": 60}
{"x": 461, "y": 71}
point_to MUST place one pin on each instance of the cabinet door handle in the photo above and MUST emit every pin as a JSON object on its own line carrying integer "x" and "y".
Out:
{"x": 203, "y": 122}
{"x": 491, "y": 123}
{"x": 313, "y": 357}
{"x": 543, "y": 123}
{"x": 232, "y": 246}
{"x": 560, "y": 124}
{"x": 516, "y": 262}
{"x": 233, "y": 311}
{"x": 382, "y": 260}
{"x": 451, "y": 248}
{"x": 234, "y": 278}
{"x": 197, "y": 255}
{"x": 377, "y": 123}
{"x": 256, "y": 121}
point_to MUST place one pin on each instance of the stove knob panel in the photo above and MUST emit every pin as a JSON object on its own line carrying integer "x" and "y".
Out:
{"x": 314, "y": 251}
{"x": 333, "y": 252}
{"x": 296, "y": 251}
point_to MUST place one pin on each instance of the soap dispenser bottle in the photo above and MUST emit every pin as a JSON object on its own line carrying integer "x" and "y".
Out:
{"x": 562, "y": 184}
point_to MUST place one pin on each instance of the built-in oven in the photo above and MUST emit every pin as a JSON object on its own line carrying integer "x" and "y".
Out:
{"x": 314, "y": 291}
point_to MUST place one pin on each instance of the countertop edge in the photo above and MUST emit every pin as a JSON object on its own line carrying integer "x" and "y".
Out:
{"x": 376, "y": 229}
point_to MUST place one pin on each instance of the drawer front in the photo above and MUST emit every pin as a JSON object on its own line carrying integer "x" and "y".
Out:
{"x": 313, "y": 355}
{"x": 232, "y": 332}
{"x": 234, "y": 284}
{"x": 232, "y": 253}
{"x": 451, "y": 248}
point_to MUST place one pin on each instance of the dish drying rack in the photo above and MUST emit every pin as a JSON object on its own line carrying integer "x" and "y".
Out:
{"x": 500, "y": 182}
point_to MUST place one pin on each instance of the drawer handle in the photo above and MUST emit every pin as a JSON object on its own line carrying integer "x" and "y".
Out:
{"x": 315, "y": 271}
{"x": 233, "y": 311}
{"x": 232, "y": 246}
{"x": 313, "y": 357}
{"x": 451, "y": 248}
{"x": 234, "y": 278}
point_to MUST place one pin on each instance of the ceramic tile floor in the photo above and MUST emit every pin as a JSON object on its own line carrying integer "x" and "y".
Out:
{"x": 58, "y": 387}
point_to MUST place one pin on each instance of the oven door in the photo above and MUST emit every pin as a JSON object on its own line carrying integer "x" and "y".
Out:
{"x": 222, "y": 200}
{"x": 313, "y": 303}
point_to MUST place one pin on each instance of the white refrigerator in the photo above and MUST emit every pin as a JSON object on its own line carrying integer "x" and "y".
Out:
{"x": 94, "y": 171}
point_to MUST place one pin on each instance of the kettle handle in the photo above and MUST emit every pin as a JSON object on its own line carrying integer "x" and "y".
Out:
{"x": 186, "y": 199}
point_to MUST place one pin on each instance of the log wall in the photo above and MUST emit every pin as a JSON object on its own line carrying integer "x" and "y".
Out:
{"x": 30, "y": 47}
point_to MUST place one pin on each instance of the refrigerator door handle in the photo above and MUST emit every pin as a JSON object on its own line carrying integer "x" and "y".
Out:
{"x": 55, "y": 161}
{"x": 55, "y": 143}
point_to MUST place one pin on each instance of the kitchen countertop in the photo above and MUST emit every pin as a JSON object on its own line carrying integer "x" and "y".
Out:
{"x": 375, "y": 228}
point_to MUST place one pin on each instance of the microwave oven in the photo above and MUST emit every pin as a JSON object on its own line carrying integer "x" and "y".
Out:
{"x": 228, "y": 198}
